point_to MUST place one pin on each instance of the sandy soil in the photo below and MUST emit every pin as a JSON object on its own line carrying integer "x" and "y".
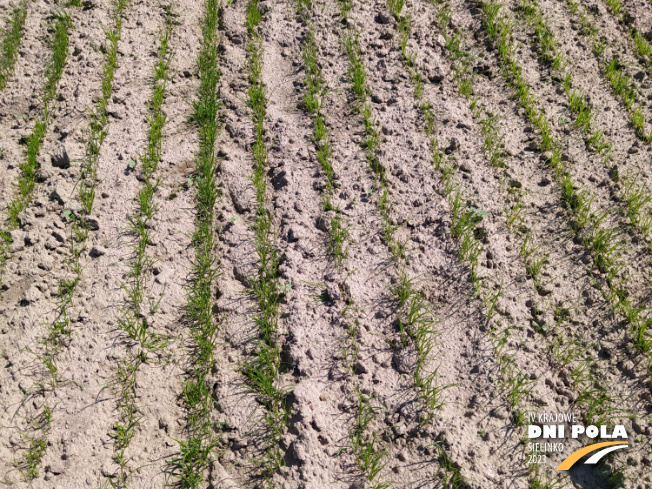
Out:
{"x": 475, "y": 432}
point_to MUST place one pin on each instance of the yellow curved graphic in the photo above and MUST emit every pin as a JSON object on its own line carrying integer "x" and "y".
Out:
{"x": 575, "y": 456}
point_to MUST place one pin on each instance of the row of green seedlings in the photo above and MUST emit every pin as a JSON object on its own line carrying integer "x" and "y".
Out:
{"x": 598, "y": 403}
{"x": 612, "y": 69}
{"x": 98, "y": 127}
{"x": 587, "y": 217}
{"x": 97, "y": 130}
{"x": 579, "y": 203}
{"x": 190, "y": 466}
{"x": 11, "y": 42}
{"x": 363, "y": 438}
{"x": 603, "y": 243}
{"x": 595, "y": 399}
{"x": 466, "y": 218}
{"x": 30, "y": 461}
{"x": 369, "y": 458}
{"x": 636, "y": 197}
{"x": 641, "y": 43}
{"x": 313, "y": 100}
{"x": 28, "y": 176}
{"x": 415, "y": 317}
{"x": 134, "y": 316}
{"x": 60, "y": 329}
{"x": 263, "y": 370}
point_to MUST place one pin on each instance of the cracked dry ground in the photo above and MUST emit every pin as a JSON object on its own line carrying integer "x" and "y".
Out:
{"x": 368, "y": 388}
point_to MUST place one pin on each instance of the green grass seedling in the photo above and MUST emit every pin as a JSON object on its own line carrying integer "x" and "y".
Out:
{"x": 10, "y": 43}
{"x": 189, "y": 466}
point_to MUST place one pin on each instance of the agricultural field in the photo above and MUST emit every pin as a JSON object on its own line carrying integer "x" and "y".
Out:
{"x": 335, "y": 244}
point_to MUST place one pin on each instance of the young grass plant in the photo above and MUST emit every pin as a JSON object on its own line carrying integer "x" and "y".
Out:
{"x": 492, "y": 143}
{"x": 313, "y": 97}
{"x": 37, "y": 444}
{"x": 133, "y": 318}
{"x": 604, "y": 244}
{"x": 263, "y": 370}
{"x": 516, "y": 382}
{"x": 29, "y": 465}
{"x": 638, "y": 200}
{"x": 188, "y": 468}
{"x": 11, "y": 42}
{"x": 369, "y": 458}
{"x": 27, "y": 178}
{"x": 621, "y": 84}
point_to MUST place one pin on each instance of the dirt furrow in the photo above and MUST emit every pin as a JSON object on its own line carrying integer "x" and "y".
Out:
{"x": 288, "y": 173}
{"x": 325, "y": 391}
{"x": 313, "y": 304}
{"x": 316, "y": 398}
